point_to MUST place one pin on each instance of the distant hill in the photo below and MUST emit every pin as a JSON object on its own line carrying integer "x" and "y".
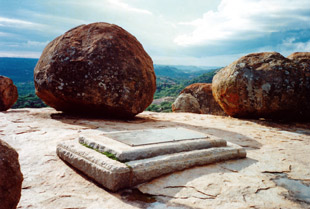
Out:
{"x": 192, "y": 68}
{"x": 18, "y": 69}
{"x": 170, "y": 87}
{"x": 179, "y": 71}
{"x": 170, "y": 79}
{"x": 21, "y": 70}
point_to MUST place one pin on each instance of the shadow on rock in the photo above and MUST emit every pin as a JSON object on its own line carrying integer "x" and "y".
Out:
{"x": 148, "y": 122}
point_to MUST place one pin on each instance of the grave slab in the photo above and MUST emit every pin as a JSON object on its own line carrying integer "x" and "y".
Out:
{"x": 142, "y": 162}
{"x": 127, "y": 145}
{"x": 155, "y": 136}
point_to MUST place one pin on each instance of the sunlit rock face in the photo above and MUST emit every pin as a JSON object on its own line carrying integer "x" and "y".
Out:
{"x": 98, "y": 68}
{"x": 8, "y": 93}
{"x": 262, "y": 85}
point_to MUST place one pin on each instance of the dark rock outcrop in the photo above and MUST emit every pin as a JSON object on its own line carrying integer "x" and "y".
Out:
{"x": 261, "y": 85}
{"x": 202, "y": 92}
{"x": 98, "y": 68}
{"x": 303, "y": 60}
{"x": 8, "y": 93}
{"x": 10, "y": 177}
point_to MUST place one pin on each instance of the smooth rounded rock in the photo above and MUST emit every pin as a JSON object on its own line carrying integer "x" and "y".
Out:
{"x": 98, "y": 68}
{"x": 186, "y": 103}
{"x": 10, "y": 177}
{"x": 203, "y": 94}
{"x": 8, "y": 93}
{"x": 260, "y": 85}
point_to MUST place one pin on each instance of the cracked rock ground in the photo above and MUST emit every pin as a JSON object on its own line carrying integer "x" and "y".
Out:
{"x": 275, "y": 173}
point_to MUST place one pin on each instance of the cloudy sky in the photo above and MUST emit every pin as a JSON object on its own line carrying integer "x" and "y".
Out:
{"x": 179, "y": 32}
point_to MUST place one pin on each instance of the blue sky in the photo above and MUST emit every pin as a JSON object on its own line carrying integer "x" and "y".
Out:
{"x": 179, "y": 32}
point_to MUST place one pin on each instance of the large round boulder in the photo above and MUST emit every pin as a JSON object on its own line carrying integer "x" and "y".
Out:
{"x": 260, "y": 85}
{"x": 202, "y": 92}
{"x": 303, "y": 60}
{"x": 186, "y": 103}
{"x": 98, "y": 68}
{"x": 8, "y": 93}
{"x": 10, "y": 177}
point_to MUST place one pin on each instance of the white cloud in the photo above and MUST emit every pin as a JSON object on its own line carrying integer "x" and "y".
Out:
{"x": 9, "y": 22}
{"x": 36, "y": 44}
{"x": 218, "y": 60}
{"x": 288, "y": 46}
{"x": 118, "y": 4}
{"x": 4, "y": 34}
{"x": 246, "y": 19}
{"x": 110, "y": 6}
{"x": 24, "y": 54}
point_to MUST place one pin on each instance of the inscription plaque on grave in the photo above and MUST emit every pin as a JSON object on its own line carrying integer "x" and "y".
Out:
{"x": 155, "y": 136}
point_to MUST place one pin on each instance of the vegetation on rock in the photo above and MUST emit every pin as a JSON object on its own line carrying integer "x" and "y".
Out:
{"x": 108, "y": 154}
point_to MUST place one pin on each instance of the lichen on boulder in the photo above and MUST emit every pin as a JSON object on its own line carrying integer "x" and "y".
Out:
{"x": 98, "y": 68}
{"x": 261, "y": 85}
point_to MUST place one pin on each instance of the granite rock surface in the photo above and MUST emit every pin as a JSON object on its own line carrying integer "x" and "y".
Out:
{"x": 98, "y": 68}
{"x": 10, "y": 177}
{"x": 186, "y": 103}
{"x": 303, "y": 60}
{"x": 265, "y": 85}
{"x": 203, "y": 94}
{"x": 275, "y": 152}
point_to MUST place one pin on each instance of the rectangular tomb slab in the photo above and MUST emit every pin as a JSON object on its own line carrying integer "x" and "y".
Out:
{"x": 157, "y": 142}
{"x": 155, "y": 136}
{"x": 84, "y": 154}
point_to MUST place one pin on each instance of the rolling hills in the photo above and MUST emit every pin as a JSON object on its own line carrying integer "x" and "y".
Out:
{"x": 170, "y": 79}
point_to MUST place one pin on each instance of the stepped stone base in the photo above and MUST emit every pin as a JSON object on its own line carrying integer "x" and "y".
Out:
{"x": 138, "y": 164}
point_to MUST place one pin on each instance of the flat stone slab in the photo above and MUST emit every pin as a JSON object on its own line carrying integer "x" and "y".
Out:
{"x": 192, "y": 140}
{"x": 155, "y": 136}
{"x": 167, "y": 158}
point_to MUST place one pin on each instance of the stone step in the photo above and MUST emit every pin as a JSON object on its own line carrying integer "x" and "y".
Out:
{"x": 142, "y": 144}
{"x": 115, "y": 175}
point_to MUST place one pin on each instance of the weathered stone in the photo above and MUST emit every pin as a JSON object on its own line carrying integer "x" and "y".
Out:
{"x": 111, "y": 142}
{"x": 301, "y": 57}
{"x": 8, "y": 93}
{"x": 98, "y": 68}
{"x": 10, "y": 177}
{"x": 260, "y": 85}
{"x": 203, "y": 94}
{"x": 115, "y": 175}
{"x": 186, "y": 103}
{"x": 303, "y": 60}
